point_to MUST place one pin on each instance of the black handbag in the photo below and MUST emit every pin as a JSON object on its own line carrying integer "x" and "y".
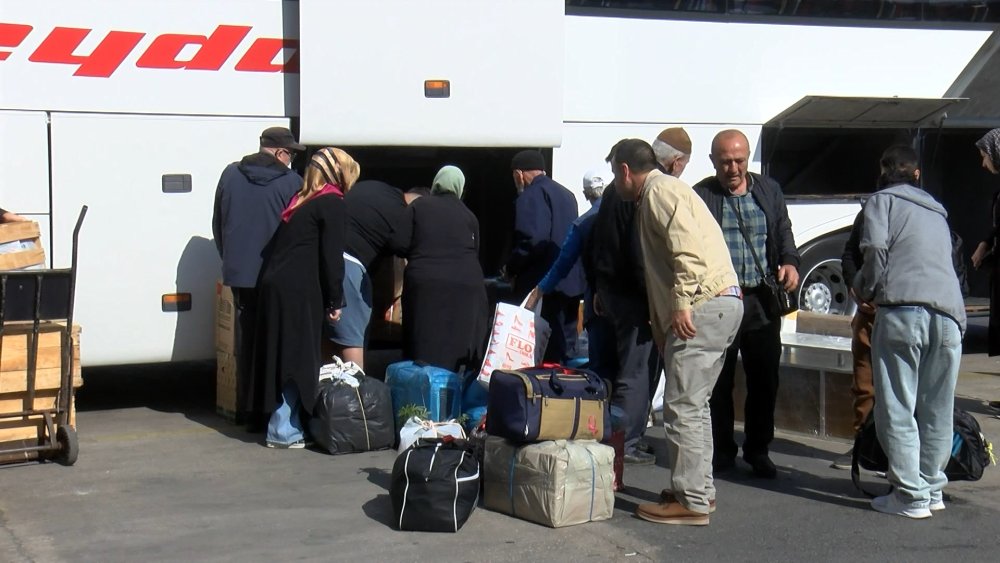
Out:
{"x": 778, "y": 302}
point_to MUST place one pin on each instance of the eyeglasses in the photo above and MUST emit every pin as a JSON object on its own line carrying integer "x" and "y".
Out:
{"x": 291, "y": 154}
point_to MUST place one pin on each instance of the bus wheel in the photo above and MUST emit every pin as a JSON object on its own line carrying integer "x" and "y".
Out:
{"x": 822, "y": 287}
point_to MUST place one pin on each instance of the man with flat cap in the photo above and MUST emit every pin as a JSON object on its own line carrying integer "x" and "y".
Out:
{"x": 248, "y": 202}
{"x": 544, "y": 212}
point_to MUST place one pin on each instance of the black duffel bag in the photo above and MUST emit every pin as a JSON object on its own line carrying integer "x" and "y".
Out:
{"x": 350, "y": 419}
{"x": 435, "y": 485}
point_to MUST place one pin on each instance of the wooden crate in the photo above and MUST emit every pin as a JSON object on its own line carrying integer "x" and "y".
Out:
{"x": 14, "y": 379}
{"x": 21, "y": 231}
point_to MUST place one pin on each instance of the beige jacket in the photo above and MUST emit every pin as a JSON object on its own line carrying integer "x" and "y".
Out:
{"x": 685, "y": 255}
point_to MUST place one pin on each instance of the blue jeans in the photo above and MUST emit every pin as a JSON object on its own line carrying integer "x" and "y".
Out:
{"x": 284, "y": 426}
{"x": 915, "y": 358}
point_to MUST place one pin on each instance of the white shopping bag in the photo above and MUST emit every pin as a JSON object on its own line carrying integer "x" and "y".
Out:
{"x": 417, "y": 428}
{"x": 518, "y": 339}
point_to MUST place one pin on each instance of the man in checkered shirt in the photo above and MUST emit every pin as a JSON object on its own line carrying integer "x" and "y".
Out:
{"x": 732, "y": 195}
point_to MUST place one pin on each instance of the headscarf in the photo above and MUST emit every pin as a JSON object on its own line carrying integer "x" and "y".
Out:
{"x": 330, "y": 170}
{"x": 990, "y": 144}
{"x": 449, "y": 180}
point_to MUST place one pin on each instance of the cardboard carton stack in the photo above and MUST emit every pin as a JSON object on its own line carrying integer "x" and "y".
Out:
{"x": 20, "y": 246}
{"x": 225, "y": 352}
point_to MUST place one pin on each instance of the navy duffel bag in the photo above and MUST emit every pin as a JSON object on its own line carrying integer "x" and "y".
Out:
{"x": 548, "y": 402}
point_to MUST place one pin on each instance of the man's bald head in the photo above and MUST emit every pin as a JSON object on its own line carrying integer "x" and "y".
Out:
{"x": 727, "y": 138}
{"x": 730, "y": 157}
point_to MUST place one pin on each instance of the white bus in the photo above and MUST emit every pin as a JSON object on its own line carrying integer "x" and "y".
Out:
{"x": 133, "y": 108}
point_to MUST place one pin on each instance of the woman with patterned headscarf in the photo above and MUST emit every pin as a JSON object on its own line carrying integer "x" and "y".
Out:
{"x": 989, "y": 149}
{"x": 301, "y": 287}
{"x": 444, "y": 295}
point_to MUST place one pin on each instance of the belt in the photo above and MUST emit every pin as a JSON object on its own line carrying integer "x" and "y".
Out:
{"x": 731, "y": 291}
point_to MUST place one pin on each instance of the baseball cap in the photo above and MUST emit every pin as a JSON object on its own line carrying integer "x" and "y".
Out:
{"x": 279, "y": 138}
{"x": 597, "y": 178}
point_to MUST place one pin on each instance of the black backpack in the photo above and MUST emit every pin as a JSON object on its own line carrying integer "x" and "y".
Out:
{"x": 971, "y": 452}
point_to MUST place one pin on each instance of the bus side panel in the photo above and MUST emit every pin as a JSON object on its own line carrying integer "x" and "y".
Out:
{"x": 364, "y": 83}
{"x": 586, "y": 145}
{"x": 24, "y": 168}
{"x": 662, "y": 71}
{"x": 137, "y": 242}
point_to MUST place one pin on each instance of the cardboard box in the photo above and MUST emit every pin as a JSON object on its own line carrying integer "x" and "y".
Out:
{"x": 225, "y": 352}
{"x": 20, "y": 245}
{"x": 225, "y": 319}
{"x": 16, "y": 346}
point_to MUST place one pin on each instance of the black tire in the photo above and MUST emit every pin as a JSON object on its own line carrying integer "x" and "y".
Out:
{"x": 69, "y": 446}
{"x": 822, "y": 287}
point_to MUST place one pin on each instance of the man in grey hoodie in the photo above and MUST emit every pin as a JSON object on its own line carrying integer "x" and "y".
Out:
{"x": 917, "y": 337}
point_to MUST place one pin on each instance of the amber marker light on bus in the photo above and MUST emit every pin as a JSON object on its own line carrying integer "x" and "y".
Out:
{"x": 175, "y": 302}
{"x": 437, "y": 88}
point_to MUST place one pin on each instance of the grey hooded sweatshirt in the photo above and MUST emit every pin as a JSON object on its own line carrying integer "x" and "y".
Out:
{"x": 907, "y": 249}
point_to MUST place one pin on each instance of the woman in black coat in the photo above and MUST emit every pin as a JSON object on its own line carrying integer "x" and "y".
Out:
{"x": 301, "y": 286}
{"x": 989, "y": 148}
{"x": 444, "y": 294}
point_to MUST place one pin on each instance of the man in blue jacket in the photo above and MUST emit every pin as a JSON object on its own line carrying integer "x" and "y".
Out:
{"x": 544, "y": 212}
{"x": 248, "y": 203}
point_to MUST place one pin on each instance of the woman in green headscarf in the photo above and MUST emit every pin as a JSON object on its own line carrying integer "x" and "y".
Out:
{"x": 444, "y": 295}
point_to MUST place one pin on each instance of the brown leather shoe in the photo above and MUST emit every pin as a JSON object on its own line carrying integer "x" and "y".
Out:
{"x": 666, "y": 495}
{"x": 671, "y": 513}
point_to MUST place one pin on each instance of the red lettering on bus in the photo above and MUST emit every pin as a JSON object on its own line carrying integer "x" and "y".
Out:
{"x": 60, "y": 44}
{"x": 260, "y": 57}
{"x": 213, "y": 51}
{"x": 11, "y": 35}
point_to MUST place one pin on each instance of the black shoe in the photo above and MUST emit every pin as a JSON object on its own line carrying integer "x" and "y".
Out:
{"x": 762, "y": 466}
{"x": 643, "y": 446}
{"x": 636, "y": 457}
{"x": 995, "y": 405}
{"x": 722, "y": 463}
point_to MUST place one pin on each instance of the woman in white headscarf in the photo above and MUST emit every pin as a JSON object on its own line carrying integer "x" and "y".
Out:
{"x": 444, "y": 294}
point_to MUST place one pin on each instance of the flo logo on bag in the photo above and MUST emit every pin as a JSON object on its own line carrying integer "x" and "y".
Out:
{"x": 520, "y": 345}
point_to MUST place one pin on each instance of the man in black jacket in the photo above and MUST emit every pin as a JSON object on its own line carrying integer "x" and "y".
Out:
{"x": 249, "y": 200}
{"x": 735, "y": 196}
{"x": 544, "y": 212}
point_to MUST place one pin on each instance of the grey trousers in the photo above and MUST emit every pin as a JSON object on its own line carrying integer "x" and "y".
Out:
{"x": 692, "y": 368}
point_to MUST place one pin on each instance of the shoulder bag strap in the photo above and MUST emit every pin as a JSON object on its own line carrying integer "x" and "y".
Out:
{"x": 746, "y": 236}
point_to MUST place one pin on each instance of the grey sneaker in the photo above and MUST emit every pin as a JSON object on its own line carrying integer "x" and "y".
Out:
{"x": 299, "y": 445}
{"x": 892, "y": 504}
{"x": 844, "y": 461}
{"x": 637, "y": 457}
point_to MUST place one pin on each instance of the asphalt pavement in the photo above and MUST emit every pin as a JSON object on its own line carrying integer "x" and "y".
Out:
{"x": 161, "y": 477}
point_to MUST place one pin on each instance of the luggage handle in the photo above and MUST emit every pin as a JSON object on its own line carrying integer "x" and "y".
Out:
{"x": 557, "y": 385}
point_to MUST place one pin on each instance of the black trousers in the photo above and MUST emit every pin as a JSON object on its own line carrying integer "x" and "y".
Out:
{"x": 561, "y": 312}
{"x": 759, "y": 343}
{"x": 636, "y": 362}
{"x": 249, "y": 391}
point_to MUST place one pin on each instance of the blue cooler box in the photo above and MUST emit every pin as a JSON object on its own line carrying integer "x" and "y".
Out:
{"x": 437, "y": 389}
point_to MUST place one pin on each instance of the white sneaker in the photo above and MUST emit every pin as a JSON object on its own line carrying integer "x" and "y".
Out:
{"x": 936, "y": 504}
{"x": 891, "y": 504}
{"x": 298, "y": 445}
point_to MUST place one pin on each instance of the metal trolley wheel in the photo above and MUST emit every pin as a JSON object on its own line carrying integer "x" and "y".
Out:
{"x": 69, "y": 445}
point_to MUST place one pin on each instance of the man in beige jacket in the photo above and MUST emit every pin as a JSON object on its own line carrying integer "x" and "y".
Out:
{"x": 695, "y": 310}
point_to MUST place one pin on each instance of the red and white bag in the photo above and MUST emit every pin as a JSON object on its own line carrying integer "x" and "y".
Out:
{"x": 518, "y": 339}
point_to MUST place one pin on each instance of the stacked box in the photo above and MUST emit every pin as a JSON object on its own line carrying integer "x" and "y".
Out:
{"x": 225, "y": 352}
{"x": 20, "y": 245}
{"x": 16, "y": 346}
